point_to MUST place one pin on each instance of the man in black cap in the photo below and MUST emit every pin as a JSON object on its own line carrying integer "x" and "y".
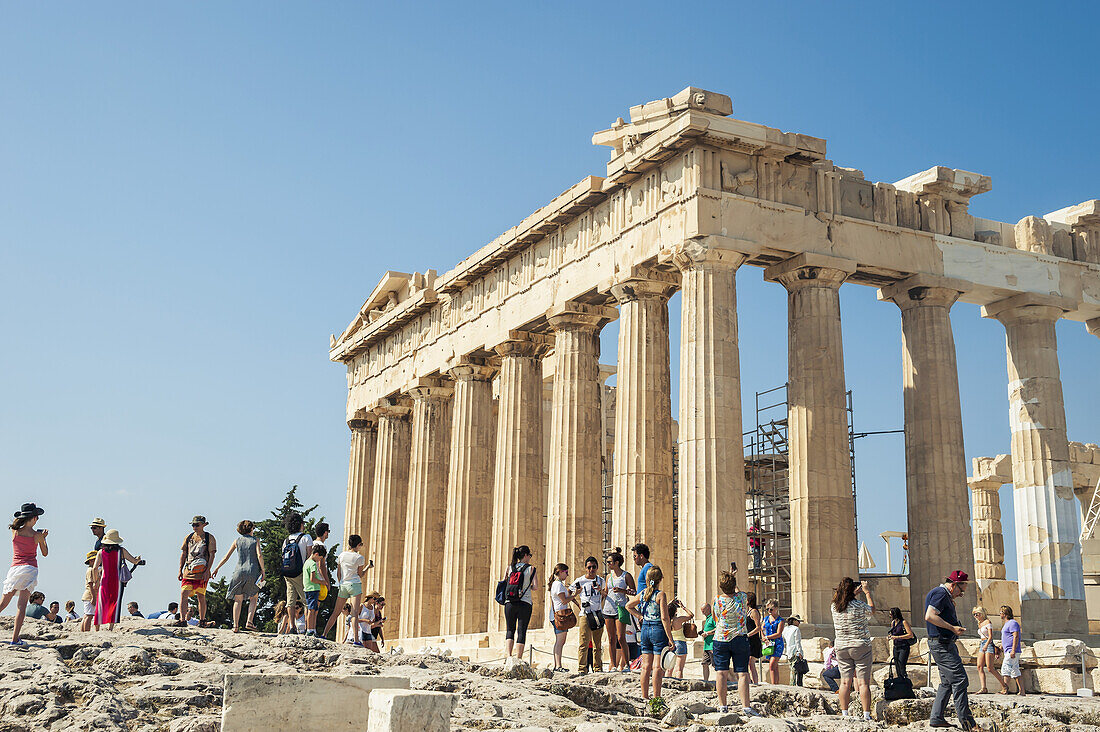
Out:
{"x": 943, "y": 629}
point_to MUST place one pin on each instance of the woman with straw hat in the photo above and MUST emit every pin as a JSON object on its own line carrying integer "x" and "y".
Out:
{"x": 109, "y": 564}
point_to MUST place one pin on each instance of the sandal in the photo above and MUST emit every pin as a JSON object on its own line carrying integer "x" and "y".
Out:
{"x": 207, "y": 624}
{"x": 179, "y": 624}
{"x": 252, "y": 628}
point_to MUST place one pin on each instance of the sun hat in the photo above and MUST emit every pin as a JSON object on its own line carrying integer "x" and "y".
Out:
{"x": 958, "y": 576}
{"x": 90, "y": 556}
{"x": 111, "y": 537}
{"x": 98, "y": 522}
{"x": 668, "y": 658}
{"x": 198, "y": 520}
{"x": 29, "y": 509}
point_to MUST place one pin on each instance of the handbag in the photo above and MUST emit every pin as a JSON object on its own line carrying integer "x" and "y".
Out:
{"x": 125, "y": 574}
{"x": 689, "y": 630}
{"x": 897, "y": 687}
{"x": 564, "y": 619}
{"x": 799, "y": 665}
{"x": 768, "y": 651}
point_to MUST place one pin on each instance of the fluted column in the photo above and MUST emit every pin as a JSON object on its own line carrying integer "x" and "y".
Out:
{"x": 360, "y": 478}
{"x": 519, "y": 492}
{"x": 711, "y": 460}
{"x": 421, "y": 582}
{"x": 935, "y": 462}
{"x": 989, "y": 541}
{"x": 573, "y": 522}
{"x": 642, "y": 479}
{"x": 386, "y": 537}
{"x": 469, "y": 517}
{"x": 823, "y": 537}
{"x": 1048, "y": 522}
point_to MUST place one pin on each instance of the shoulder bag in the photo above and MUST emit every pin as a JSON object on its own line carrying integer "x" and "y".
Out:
{"x": 565, "y": 619}
{"x": 897, "y": 687}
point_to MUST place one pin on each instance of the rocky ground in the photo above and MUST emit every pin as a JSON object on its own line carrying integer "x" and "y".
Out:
{"x": 147, "y": 677}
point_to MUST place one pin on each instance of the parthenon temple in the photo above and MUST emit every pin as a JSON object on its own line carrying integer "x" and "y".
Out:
{"x": 455, "y": 458}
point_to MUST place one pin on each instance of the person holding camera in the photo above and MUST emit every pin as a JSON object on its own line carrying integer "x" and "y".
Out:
{"x": 853, "y": 642}
{"x": 590, "y": 589}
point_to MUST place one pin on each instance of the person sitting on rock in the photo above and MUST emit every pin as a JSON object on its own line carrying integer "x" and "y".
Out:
{"x": 70, "y": 611}
{"x": 831, "y": 673}
{"x": 54, "y": 615}
{"x": 132, "y": 608}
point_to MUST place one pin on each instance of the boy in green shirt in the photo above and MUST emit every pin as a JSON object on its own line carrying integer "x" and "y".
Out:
{"x": 709, "y": 625}
{"x": 312, "y": 579}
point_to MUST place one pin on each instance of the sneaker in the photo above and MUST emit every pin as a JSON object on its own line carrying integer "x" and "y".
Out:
{"x": 723, "y": 710}
{"x": 750, "y": 712}
{"x": 866, "y": 716}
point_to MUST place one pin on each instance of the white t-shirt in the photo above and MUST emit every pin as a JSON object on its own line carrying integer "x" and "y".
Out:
{"x": 305, "y": 545}
{"x": 348, "y": 564}
{"x": 588, "y": 591}
{"x": 557, "y": 589}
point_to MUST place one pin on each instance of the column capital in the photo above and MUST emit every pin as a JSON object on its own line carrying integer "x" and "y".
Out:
{"x": 575, "y": 315}
{"x": 704, "y": 253}
{"x": 429, "y": 388}
{"x": 993, "y": 485}
{"x": 923, "y": 290}
{"x": 469, "y": 371}
{"x": 1093, "y": 326}
{"x": 811, "y": 270}
{"x": 521, "y": 343}
{"x": 362, "y": 422}
{"x": 1028, "y": 306}
{"x": 394, "y": 407}
{"x": 645, "y": 283}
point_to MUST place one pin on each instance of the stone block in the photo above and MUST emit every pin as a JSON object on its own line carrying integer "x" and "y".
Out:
{"x": 814, "y": 649}
{"x": 1057, "y": 653}
{"x": 1051, "y": 680}
{"x": 399, "y": 710}
{"x": 262, "y": 702}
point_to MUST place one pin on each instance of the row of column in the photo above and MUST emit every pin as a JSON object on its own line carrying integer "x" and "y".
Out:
{"x": 453, "y": 489}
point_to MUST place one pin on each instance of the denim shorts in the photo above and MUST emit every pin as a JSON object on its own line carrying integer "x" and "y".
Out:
{"x": 735, "y": 652}
{"x": 652, "y": 639}
{"x": 681, "y": 647}
{"x": 313, "y": 599}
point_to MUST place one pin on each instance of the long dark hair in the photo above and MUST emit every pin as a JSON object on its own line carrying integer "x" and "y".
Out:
{"x": 520, "y": 552}
{"x": 20, "y": 522}
{"x": 895, "y": 614}
{"x": 845, "y": 592}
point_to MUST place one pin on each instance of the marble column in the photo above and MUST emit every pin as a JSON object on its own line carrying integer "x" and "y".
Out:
{"x": 823, "y": 537}
{"x": 935, "y": 462}
{"x": 711, "y": 498}
{"x": 574, "y": 528}
{"x": 519, "y": 492}
{"x": 1048, "y": 522}
{"x": 421, "y": 580}
{"x": 469, "y": 511}
{"x": 386, "y": 537}
{"x": 360, "y": 478}
{"x": 989, "y": 541}
{"x": 642, "y": 478}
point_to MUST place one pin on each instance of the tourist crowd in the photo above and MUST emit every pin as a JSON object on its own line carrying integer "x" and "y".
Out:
{"x": 645, "y": 628}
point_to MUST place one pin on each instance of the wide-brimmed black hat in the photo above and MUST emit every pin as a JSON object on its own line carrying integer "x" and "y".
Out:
{"x": 28, "y": 510}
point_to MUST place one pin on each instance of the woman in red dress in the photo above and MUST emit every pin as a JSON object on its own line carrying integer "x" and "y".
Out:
{"x": 108, "y": 608}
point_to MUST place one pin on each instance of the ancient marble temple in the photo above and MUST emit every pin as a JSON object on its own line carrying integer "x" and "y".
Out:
{"x": 449, "y": 467}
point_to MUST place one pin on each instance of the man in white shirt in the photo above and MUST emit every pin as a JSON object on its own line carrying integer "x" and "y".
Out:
{"x": 590, "y": 589}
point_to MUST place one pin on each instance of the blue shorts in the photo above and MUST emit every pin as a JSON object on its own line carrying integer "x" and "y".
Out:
{"x": 313, "y": 599}
{"x": 735, "y": 652}
{"x": 681, "y": 647}
{"x": 652, "y": 639}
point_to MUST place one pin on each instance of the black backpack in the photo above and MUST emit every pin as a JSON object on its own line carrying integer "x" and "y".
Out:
{"x": 292, "y": 557}
{"x": 514, "y": 589}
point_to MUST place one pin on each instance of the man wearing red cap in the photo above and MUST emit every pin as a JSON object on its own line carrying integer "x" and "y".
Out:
{"x": 943, "y": 630}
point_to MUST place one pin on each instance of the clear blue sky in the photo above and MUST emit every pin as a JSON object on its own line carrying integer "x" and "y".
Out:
{"x": 193, "y": 197}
